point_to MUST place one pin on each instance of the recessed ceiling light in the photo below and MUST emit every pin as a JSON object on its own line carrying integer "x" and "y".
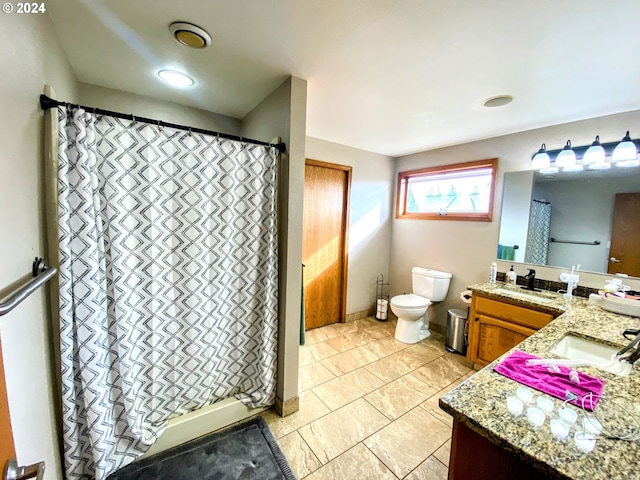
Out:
{"x": 498, "y": 101}
{"x": 190, "y": 35}
{"x": 175, "y": 78}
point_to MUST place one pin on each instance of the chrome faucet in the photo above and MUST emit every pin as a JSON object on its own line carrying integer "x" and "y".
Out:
{"x": 634, "y": 343}
{"x": 531, "y": 279}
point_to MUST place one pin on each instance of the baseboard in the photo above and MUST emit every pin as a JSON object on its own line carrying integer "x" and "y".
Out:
{"x": 436, "y": 327}
{"x": 287, "y": 407}
{"x": 361, "y": 314}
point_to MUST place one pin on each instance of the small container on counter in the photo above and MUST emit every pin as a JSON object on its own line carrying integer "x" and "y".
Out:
{"x": 493, "y": 273}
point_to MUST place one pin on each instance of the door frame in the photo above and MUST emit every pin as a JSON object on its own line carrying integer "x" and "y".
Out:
{"x": 345, "y": 228}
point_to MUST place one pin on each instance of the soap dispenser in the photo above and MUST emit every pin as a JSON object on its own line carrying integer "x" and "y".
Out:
{"x": 512, "y": 276}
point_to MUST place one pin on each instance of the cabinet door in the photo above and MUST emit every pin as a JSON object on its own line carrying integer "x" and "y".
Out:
{"x": 492, "y": 337}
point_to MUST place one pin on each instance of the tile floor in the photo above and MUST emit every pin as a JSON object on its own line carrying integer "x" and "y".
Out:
{"x": 369, "y": 405}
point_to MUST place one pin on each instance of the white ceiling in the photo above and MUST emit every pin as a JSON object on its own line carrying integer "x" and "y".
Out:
{"x": 389, "y": 76}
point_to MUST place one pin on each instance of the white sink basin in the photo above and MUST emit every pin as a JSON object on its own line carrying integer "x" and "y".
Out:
{"x": 522, "y": 295}
{"x": 592, "y": 353}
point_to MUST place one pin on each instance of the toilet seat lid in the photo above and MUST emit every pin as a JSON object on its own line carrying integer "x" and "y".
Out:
{"x": 410, "y": 300}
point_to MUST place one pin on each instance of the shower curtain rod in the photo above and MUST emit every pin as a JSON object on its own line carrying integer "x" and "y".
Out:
{"x": 46, "y": 103}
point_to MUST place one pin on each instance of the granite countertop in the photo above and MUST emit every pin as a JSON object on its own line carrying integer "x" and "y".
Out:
{"x": 480, "y": 402}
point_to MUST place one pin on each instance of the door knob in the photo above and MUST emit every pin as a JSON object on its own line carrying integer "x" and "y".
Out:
{"x": 615, "y": 260}
{"x": 13, "y": 472}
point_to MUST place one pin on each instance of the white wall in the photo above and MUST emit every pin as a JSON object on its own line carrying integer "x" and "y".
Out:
{"x": 466, "y": 249}
{"x": 119, "y": 101}
{"x": 582, "y": 210}
{"x": 283, "y": 114}
{"x": 30, "y": 57}
{"x": 370, "y": 216}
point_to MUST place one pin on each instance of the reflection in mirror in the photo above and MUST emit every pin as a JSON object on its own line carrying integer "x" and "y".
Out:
{"x": 573, "y": 218}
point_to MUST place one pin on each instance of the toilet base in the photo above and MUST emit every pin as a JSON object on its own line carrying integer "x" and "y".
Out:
{"x": 412, "y": 331}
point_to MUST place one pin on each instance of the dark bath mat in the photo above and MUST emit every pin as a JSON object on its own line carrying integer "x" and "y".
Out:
{"x": 246, "y": 451}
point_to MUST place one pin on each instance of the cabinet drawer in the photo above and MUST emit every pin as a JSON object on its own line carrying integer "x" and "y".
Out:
{"x": 512, "y": 313}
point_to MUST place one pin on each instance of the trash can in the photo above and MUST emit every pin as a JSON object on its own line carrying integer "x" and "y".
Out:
{"x": 457, "y": 331}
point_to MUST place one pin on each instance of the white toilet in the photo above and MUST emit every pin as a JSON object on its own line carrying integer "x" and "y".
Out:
{"x": 413, "y": 320}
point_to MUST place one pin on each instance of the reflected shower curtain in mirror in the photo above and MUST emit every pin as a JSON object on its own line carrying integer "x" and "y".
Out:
{"x": 168, "y": 281}
{"x": 538, "y": 235}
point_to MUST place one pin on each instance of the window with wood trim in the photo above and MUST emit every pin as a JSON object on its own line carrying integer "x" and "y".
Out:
{"x": 463, "y": 191}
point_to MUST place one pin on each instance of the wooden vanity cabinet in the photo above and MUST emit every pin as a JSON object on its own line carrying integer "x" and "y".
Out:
{"x": 496, "y": 326}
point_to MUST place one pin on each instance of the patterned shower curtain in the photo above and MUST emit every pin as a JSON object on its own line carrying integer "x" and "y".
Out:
{"x": 538, "y": 236}
{"x": 168, "y": 281}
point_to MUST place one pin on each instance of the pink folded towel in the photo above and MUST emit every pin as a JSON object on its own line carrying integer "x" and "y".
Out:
{"x": 556, "y": 383}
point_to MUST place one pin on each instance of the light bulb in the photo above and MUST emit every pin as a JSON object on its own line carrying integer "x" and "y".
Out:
{"x": 594, "y": 154}
{"x": 541, "y": 159}
{"x": 566, "y": 159}
{"x": 625, "y": 150}
{"x": 175, "y": 78}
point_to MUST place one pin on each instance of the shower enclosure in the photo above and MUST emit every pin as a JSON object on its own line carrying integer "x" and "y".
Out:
{"x": 168, "y": 258}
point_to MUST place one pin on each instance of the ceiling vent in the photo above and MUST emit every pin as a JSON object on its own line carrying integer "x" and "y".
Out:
{"x": 498, "y": 101}
{"x": 190, "y": 35}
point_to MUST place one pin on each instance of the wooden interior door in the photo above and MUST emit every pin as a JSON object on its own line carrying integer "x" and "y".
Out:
{"x": 624, "y": 254}
{"x": 324, "y": 242}
{"x": 7, "y": 449}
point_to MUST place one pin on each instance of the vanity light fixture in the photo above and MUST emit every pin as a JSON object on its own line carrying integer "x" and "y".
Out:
{"x": 175, "y": 78}
{"x": 594, "y": 157}
{"x": 541, "y": 159}
{"x": 597, "y": 156}
{"x": 566, "y": 159}
{"x": 625, "y": 151}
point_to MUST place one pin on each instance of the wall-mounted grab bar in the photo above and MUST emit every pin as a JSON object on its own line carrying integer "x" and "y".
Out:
{"x": 41, "y": 275}
{"x": 554, "y": 240}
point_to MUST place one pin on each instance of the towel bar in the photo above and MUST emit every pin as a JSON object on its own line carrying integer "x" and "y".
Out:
{"x": 41, "y": 275}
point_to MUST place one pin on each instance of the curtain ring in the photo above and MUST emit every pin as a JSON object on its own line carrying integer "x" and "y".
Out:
{"x": 160, "y": 126}
{"x": 133, "y": 118}
{"x": 190, "y": 133}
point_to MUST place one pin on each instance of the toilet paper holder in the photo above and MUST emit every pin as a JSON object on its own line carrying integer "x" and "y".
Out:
{"x": 382, "y": 300}
{"x": 465, "y": 296}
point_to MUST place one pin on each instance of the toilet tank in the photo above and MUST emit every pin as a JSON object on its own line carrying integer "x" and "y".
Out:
{"x": 430, "y": 284}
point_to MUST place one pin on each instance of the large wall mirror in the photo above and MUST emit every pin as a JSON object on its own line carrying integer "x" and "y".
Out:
{"x": 585, "y": 218}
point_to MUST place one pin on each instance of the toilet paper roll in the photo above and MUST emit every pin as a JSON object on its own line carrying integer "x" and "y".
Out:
{"x": 466, "y": 296}
{"x": 381, "y": 309}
